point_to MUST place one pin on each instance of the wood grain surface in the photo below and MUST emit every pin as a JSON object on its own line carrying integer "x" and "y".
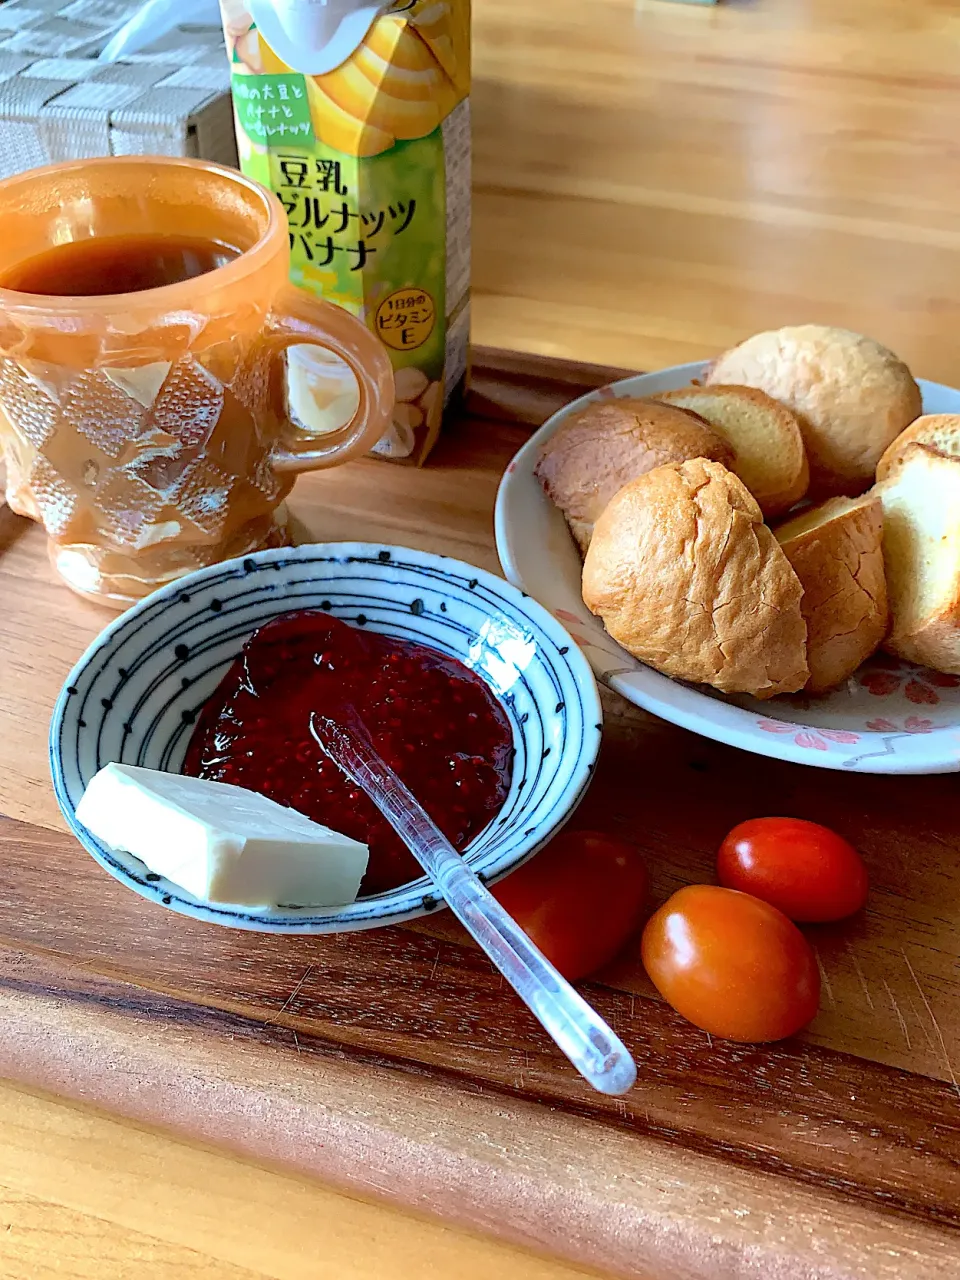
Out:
{"x": 653, "y": 181}
{"x": 862, "y": 1111}
{"x": 92, "y": 1197}
{"x": 656, "y": 181}
{"x": 638, "y": 1206}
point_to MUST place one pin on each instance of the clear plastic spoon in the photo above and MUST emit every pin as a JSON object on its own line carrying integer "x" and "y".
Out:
{"x": 599, "y": 1056}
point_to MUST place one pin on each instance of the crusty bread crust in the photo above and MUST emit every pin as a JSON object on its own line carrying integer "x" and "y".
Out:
{"x": 770, "y": 457}
{"x": 688, "y": 578}
{"x": 836, "y": 551}
{"x": 851, "y": 396}
{"x": 598, "y": 450}
{"x": 939, "y": 431}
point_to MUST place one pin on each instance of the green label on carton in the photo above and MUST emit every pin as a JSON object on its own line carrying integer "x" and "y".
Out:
{"x": 369, "y": 234}
{"x": 274, "y": 109}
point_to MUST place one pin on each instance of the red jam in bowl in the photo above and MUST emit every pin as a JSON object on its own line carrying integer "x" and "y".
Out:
{"x": 433, "y": 720}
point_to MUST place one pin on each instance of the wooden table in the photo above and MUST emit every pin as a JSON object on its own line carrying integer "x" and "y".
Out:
{"x": 396, "y": 1064}
{"x": 656, "y": 181}
{"x": 653, "y": 182}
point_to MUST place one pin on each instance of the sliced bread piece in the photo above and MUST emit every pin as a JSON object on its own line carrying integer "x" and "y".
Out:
{"x": 837, "y": 553}
{"x": 770, "y": 457}
{"x": 938, "y": 431}
{"x": 687, "y": 577}
{"x": 851, "y": 397}
{"x": 599, "y": 449}
{"x": 921, "y": 551}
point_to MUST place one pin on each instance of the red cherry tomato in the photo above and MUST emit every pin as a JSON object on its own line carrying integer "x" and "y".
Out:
{"x": 579, "y": 899}
{"x": 731, "y": 964}
{"x": 806, "y": 870}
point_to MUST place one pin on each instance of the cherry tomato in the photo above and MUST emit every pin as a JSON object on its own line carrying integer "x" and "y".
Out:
{"x": 579, "y": 899}
{"x": 806, "y": 870}
{"x": 731, "y": 964}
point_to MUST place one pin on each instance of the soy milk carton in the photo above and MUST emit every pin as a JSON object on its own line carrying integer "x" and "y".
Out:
{"x": 358, "y": 116}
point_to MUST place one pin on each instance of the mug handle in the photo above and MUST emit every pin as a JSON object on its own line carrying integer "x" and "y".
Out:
{"x": 297, "y": 317}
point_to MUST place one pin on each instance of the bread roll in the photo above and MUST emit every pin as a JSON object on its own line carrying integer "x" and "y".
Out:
{"x": 688, "y": 578}
{"x": 939, "y": 431}
{"x": 770, "y": 457}
{"x": 851, "y": 396}
{"x": 837, "y": 553}
{"x": 921, "y": 551}
{"x": 598, "y": 450}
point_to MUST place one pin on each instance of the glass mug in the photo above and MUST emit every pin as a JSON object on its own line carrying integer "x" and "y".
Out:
{"x": 148, "y": 431}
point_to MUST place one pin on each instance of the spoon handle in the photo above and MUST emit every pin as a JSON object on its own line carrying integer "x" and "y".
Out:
{"x": 599, "y": 1055}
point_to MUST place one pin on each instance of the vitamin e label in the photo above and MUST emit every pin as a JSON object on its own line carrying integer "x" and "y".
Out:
{"x": 406, "y": 318}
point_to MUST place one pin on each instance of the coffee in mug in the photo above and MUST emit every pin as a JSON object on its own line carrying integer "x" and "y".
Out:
{"x": 145, "y": 315}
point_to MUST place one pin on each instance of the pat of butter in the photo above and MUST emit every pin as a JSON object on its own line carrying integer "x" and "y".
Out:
{"x": 219, "y": 842}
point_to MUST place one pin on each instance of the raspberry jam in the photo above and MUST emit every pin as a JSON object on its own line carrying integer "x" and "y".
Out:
{"x": 434, "y": 721}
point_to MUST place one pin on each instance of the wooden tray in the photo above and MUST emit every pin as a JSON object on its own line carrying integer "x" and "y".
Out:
{"x": 396, "y": 1064}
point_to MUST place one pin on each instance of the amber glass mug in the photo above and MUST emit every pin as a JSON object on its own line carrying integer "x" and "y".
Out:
{"x": 147, "y": 431}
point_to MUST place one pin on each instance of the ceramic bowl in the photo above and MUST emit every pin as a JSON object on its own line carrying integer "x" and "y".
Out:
{"x": 135, "y": 695}
{"x": 890, "y": 717}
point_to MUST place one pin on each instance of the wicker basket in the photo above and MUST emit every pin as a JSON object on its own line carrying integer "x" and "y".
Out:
{"x": 57, "y": 102}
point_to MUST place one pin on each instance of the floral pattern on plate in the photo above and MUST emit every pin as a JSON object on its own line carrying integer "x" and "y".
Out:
{"x": 806, "y": 736}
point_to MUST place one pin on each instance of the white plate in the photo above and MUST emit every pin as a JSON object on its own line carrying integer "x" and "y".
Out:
{"x": 890, "y": 717}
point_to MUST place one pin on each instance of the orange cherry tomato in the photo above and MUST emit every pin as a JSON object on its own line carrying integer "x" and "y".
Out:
{"x": 806, "y": 870}
{"x": 731, "y": 964}
{"x": 580, "y": 899}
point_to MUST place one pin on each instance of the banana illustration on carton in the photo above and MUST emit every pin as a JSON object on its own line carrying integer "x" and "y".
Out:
{"x": 399, "y": 83}
{"x": 373, "y": 104}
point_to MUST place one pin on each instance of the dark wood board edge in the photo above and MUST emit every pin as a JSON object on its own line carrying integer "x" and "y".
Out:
{"x": 512, "y": 386}
{"x": 890, "y": 1136}
{"x": 874, "y": 1134}
{"x": 623, "y": 1203}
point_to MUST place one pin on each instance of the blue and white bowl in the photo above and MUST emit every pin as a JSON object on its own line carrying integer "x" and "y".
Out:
{"x": 135, "y": 695}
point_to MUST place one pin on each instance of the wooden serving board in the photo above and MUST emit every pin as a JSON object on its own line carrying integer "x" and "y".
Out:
{"x": 396, "y": 1064}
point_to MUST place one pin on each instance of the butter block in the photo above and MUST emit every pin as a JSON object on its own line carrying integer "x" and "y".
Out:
{"x": 220, "y": 842}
